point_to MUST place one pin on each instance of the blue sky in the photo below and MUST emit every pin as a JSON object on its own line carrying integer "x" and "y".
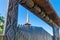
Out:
{"x": 35, "y": 21}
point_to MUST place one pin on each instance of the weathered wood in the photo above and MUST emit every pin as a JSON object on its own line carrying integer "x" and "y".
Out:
{"x": 47, "y": 14}
{"x": 55, "y": 33}
{"x": 41, "y": 8}
{"x": 11, "y": 20}
{"x": 45, "y": 6}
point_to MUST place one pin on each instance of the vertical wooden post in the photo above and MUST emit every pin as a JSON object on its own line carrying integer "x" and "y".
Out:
{"x": 55, "y": 33}
{"x": 11, "y": 20}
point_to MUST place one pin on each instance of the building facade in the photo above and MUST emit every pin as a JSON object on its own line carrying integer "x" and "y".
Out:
{"x": 27, "y": 32}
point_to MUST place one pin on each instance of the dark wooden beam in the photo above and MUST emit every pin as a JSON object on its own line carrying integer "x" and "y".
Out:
{"x": 44, "y": 6}
{"x": 47, "y": 7}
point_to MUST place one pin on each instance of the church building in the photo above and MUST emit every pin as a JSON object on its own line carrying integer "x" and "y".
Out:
{"x": 28, "y": 32}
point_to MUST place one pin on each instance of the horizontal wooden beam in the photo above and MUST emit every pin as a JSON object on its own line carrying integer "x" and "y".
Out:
{"x": 39, "y": 7}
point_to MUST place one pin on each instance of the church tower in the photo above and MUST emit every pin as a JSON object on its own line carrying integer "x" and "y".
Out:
{"x": 27, "y": 20}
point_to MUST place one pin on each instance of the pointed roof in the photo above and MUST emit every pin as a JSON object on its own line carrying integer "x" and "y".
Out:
{"x": 27, "y": 20}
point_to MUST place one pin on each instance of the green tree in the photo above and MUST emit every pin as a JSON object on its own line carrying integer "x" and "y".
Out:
{"x": 1, "y": 22}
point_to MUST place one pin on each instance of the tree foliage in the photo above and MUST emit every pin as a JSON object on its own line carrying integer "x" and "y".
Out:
{"x": 1, "y": 22}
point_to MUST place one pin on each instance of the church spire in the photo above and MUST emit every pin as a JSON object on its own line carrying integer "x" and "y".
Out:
{"x": 27, "y": 20}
